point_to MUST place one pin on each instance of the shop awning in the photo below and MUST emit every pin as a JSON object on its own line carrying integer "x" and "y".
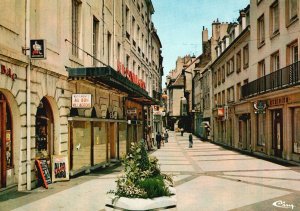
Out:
{"x": 110, "y": 77}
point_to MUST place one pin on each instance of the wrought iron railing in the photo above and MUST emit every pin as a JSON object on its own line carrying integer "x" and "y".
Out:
{"x": 280, "y": 79}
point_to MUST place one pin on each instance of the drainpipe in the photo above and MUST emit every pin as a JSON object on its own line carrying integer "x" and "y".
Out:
{"x": 28, "y": 102}
{"x": 114, "y": 31}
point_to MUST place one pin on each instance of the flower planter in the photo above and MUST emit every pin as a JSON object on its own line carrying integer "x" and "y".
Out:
{"x": 160, "y": 203}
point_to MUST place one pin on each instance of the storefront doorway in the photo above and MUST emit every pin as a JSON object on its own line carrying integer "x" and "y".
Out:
{"x": 277, "y": 141}
{"x": 44, "y": 130}
{"x": 6, "y": 142}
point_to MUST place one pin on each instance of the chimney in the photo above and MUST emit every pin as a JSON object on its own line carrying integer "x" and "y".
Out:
{"x": 204, "y": 35}
{"x": 243, "y": 17}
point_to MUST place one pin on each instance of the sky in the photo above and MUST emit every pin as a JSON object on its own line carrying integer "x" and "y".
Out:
{"x": 179, "y": 25}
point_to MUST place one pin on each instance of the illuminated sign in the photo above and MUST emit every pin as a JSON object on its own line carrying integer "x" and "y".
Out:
{"x": 130, "y": 75}
{"x": 81, "y": 100}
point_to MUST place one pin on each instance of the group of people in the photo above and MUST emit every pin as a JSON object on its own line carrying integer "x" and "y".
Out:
{"x": 161, "y": 139}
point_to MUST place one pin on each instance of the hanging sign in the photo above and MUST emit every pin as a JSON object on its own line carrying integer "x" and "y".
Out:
{"x": 38, "y": 49}
{"x": 43, "y": 172}
{"x": 260, "y": 107}
{"x": 220, "y": 112}
{"x": 81, "y": 100}
{"x": 60, "y": 168}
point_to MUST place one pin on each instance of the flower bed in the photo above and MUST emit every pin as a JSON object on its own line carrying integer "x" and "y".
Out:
{"x": 142, "y": 186}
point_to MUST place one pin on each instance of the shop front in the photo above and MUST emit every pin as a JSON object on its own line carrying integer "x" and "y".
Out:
{"x": 109, "y": 118}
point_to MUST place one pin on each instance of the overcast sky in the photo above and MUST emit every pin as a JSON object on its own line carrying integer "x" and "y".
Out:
{"x": 179, "y": 24}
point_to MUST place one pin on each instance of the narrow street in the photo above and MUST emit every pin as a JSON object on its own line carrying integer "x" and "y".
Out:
{"x": 207, "y": 177}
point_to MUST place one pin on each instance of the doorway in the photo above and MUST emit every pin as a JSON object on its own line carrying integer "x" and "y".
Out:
{"x": 44, "y": 130}
{"x": 112, "y": 140}
{"x": 277, "y": 142}
{"x": 6, "y": 142}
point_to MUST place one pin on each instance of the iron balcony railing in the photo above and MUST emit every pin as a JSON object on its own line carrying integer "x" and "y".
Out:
{"x": 280, "y": 79}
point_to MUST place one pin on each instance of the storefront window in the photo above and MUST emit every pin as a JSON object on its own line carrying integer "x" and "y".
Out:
{"x": 295, "y": 129}
{"x": 81, "y": 145}
{"x": 122, "y": 138}
{"x": 261, "y": 125}
{"x": 139, "y": 132}
{"x": 100, "y": 140}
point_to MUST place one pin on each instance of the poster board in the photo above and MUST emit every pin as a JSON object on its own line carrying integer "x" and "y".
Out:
{"x": 60, "y": 168}
{"x": 43, "y": 172}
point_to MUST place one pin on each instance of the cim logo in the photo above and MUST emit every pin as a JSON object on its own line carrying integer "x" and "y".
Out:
{"x": 282, "y": 204}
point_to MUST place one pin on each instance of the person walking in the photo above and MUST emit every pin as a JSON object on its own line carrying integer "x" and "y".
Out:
{"x": 158, "y": 140}
{"x": 166, "y": 136}
{"x": 181, "y": 130}
{"x": 190, "y": 141}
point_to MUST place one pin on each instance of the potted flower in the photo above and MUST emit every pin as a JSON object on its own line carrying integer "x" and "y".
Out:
{"x": 142, "y": 185}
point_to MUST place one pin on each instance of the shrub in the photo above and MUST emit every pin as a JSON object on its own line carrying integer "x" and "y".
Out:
{"x": 142, "y": 177}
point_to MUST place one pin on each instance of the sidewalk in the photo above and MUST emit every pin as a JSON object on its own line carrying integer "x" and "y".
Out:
{"x": 207, "y": 177}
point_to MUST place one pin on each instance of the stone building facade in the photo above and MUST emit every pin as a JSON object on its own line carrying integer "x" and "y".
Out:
{"x": 108, "y": 50}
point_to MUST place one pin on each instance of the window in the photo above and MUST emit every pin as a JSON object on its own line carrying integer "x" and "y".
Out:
{"x": 275, "y": 62}
{"x": 261, "y": 69}
{"x": 260, "y": 31}
{"x": 133, "y": 30}
{"x": 127, "y": 22}
{"x": 215, "y": 79}
{"x": 291, "y": 11}
{"x": 219, "y": 76}
{"x": 223, "y": 97}
{"x": 75, "y": 27}
{"x": 119, "y": 52}
{"x": 238, "y": 92}
{"x": 230, "y": 94}
{"x": 292, "y": 52}
{"x": 109, "y": 48}
{"x": 127, "y": 61}
{"x": 95, "y": 40}
{"x": 295, "y": 129}
{"x": 274, "y": 19}
{"x": 230, "y": 66}
{"x": 246, "y": 56}
{"x": 261, "y": 124}
{"x": 223, "y": 73}
{"x": 216, "y": 100}
{"x": 238, "y": 62}
{"x": 219, "y": 98}
{"x": 258, "y": 2}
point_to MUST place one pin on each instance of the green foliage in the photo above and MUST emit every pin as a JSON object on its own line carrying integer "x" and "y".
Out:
{"x": 154, "y": 187}
{"x": 142, "y": 176}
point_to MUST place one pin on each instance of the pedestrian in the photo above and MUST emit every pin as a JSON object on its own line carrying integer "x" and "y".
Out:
{"x": 190, "y": 141}
{"x": 181, "y": 130}
{"x": 166, "y": 135}
{"x": 158, "y": 140}
{"x": 207, "y": 131}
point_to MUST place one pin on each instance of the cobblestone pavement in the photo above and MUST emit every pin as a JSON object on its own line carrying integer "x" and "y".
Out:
{"x": 207, "y": 177}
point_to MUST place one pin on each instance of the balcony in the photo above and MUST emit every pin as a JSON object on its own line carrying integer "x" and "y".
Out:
{"x": 156, "y": 95}
{"x": 280, "y": 79}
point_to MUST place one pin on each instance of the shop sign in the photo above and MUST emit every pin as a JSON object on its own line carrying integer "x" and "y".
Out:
{"x": 279, "y": 101}
{"x": 8, "y": 72}
{"x": 38, "y": 49}
{"x": 130, "y": 75}
{"x": 131, "y": 111}
{"x": 220, "y": 112}
{"x": 60, "y": 168}
{"x": 81, "y": 100}
{"x": 260, "y": 107}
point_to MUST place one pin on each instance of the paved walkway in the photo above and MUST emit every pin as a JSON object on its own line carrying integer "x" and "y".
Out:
{"x": 207, "y": 177}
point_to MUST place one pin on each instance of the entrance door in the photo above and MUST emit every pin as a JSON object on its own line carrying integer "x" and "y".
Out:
{"x": 277, "y": 141}
{"x": 2, "y": 143}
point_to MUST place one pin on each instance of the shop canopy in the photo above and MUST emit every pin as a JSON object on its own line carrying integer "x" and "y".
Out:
{"x": 112, "y": 78}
